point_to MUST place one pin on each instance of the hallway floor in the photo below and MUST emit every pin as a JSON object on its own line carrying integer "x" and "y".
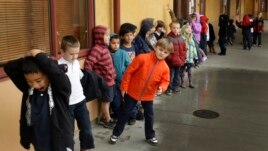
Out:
{"x": 234, "y": 85}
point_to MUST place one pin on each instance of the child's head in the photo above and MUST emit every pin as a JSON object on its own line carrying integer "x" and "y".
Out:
{"x": 114, "y": 42}
{"x": 149, "y": 23}
{"x": 175, "y": 27}
{"x": 101, "y": 35}
{"x": 127, "y": 32}
{"x": 70, "y": 47}
{"x": 160, "y": 27}
{"x": 186, "y": 29}
{"x": 34, "y": 76}
{"x": 163, "y": 48}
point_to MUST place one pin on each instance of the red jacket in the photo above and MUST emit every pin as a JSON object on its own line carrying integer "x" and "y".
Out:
{"x": 143, "y": 77}
{"x": 177, "y": 58}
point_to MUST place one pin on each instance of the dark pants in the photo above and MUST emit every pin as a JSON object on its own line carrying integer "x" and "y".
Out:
{"x": 127, "y": 109}
{"x": 116, "y": 104}
{"x": 247, "y": 39}
{"x": 222, "y": 45}
{"x": 175, "y": 74}
{"x": 257, "y": 36}
{"x": 80, "y": 112}
{"x": 203, "y": 43}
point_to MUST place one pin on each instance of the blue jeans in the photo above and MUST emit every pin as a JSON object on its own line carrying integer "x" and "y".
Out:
{"x": 127, "y": 109}
{"x": 175, "y": 74}
{"x": 80, "y": 112}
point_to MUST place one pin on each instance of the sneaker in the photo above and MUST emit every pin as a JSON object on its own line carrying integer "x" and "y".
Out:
{"x": 177, "y": 90}
{"x": 152, "y": 141}
{"x": 113, "y": 139}
{"x": 110, "y": 124}
{"x": 182, "y": 86}
{"x": 131, "y": 121}
{"x": 191, "y": 86}
{"x": 169, "y": 92}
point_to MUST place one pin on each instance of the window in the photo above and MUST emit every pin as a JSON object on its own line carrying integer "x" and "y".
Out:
{"x": 191, "y": 6}
{"x": 23, "y": 25}
{"x": 203, "y": 7}
{"x": 225, "y": 7}
{"x": 71, "y": 19}
{"x": 263, "y": 5}
{"x": 27, "y": 24}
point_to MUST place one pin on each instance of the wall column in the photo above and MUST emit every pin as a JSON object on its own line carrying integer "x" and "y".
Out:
{"x": 116, "y": 15}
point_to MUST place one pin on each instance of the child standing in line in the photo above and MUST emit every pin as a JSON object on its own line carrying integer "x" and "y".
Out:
{"x": 246, "y": 26}
{"x": 223, "y": 24}
{"x": 45, "y": 116}
{"x": 177, "y": 59}
{"x": 160, "y": 30}
{"x": 231, "y": 30}
{"x": 100, "y": 61}
{"x": 191, "y": 57}
{"x": 127, "y": 34}
{"x": 121, "y": 60}
{"x": 258, "y": 29}
{"x": 147, "y": 75}
{"x": 211, "y": 38}
{"x": 70, "y": 48}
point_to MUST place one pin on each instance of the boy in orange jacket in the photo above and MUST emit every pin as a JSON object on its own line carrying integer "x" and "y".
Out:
{"x": 146, "y": 76}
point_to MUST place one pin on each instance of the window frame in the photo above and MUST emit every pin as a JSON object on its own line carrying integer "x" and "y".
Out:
{"x": 53, "y": 37}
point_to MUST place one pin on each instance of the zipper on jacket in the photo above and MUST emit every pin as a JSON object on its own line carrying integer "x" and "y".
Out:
{"x": 147, "y": 81}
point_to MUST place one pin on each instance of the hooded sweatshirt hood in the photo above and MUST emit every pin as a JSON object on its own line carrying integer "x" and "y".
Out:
{"x": 98, "y": 35}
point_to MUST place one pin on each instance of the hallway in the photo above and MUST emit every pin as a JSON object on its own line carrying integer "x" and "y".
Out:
{"x": 234, "y": 85}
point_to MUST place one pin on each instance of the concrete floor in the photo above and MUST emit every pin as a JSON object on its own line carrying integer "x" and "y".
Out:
{"x": 234, "y": 85}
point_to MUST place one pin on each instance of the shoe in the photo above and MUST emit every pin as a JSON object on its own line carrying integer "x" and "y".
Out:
{"x": 177, "y": 90}
{"x": 105, "y": 124}
{"x": 113, "y": 139}
{"x": 222, "y": 54}
{"x": 204, "y": 58}
{"x": 259, "y": 45}
{"x": 191, "y": 86}
{"x": 152, "y": 141}
{"x": 182, "y": 86}
{"x": 131, "y": 121}
{"x": 169, "y": 92}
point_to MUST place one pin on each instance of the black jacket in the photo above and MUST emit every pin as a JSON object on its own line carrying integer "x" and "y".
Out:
{"x": 94, "y": 86}
{"x": 61, "y": 125}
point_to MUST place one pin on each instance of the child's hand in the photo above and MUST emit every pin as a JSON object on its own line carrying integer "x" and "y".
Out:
{"x": 33, "y": 52}
{"x": 169, "y": 9}
{"x": 123, "y": 95}
{"x": 159, "y": 91}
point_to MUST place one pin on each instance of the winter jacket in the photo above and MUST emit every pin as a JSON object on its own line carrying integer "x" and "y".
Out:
{"x": 177, "y": 58}
{"x": 93, "y": 85}
{"x": 197, "y": 28}
{"x": 258, "y": 25}
{"x": 144, "y": 76}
